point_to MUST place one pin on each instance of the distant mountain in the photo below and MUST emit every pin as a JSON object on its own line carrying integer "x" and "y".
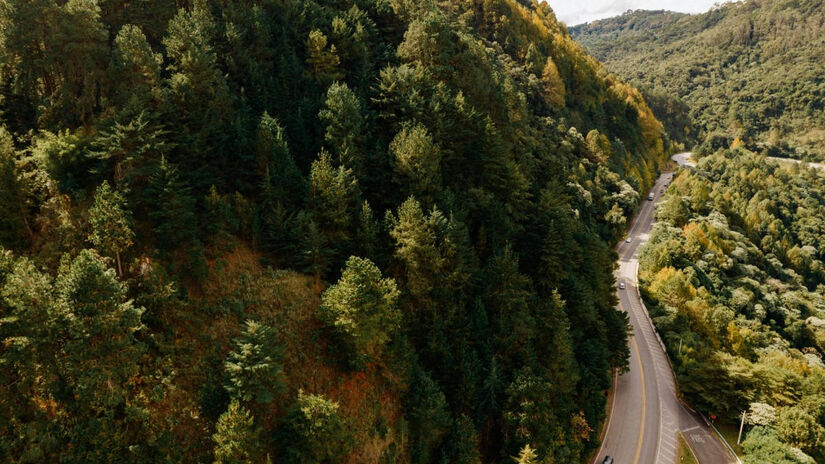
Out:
{"x": 750, "y": 70}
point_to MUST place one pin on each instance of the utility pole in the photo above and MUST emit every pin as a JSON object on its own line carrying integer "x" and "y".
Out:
{"x": 741, "y": 426}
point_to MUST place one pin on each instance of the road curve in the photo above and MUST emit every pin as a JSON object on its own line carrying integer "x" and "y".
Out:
{"x": 646, "y": 414}
{"x": 683, "y": 159}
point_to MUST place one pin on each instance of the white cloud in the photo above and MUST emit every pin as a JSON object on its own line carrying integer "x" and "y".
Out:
{"x": 573, "y": 12}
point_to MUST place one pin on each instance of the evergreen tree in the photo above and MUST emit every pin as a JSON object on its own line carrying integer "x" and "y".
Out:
{"x": 111, "y": 223}
{"x": 172, "y": 207}
{"x": 199, "y": 97}
{"x": 254, "y": 367}
{"x": 362, "y": 306}
{"x": 316, "y": 434}
{"x": 333, "y": 200}
{"x": 130, "y": 150}
{"x": 323, "y": 61}
{"x": 428, "y": 415}
{"x": 237, "y": 440}
{"x": 97, "y": 359}
{"x": 418, "y": 160}
{"x": 343, "y": 117}
{"x": 527, "y": 455}
{"x": 275, "y": 160}
{"x": 15, "y": 196}
{"x": 135, "y": 67}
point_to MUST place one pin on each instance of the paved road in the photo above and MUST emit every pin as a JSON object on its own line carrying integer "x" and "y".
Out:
{"x": 684, "y": 160}
{"x": 645, "y": 412}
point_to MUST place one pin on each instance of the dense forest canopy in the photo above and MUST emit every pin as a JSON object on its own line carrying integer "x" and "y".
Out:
{"x": 309, "y": 231}
{"x": 750, "y": 70}
{"x": 734, "y": 277}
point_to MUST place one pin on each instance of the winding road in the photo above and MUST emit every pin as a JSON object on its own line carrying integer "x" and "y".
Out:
{"x": 646, "y": 414}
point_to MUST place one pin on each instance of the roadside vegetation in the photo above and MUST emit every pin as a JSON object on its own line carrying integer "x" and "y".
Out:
{"x": 735, "y": 282}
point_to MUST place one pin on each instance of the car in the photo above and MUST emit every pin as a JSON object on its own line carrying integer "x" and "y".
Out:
{"x": 650, "y": 197}
{"x": 628, "y": 240}
{"x": 607, "y": 460}
{"x": 621, "y": 285}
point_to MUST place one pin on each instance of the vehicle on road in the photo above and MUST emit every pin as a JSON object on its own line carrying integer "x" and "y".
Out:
{"x": 650, "y": 197}
{"x": 607, "y": 460}
{"x": 628, "y": 240}
{"x": 621, "y": 285}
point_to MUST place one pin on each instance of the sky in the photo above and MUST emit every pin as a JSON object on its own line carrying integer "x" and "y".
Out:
{"x": 573, "y": 12}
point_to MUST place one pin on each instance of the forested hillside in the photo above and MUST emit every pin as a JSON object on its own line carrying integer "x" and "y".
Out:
{"x": 751, "y": 70}
{"x": 735, "y": 282}
{"x": 309, "y": 231}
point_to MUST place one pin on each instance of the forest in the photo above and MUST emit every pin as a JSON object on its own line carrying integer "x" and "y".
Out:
{"x": 734, "y": 279}
{"x": 319, "y": 231}
{"x": 750, "y": 71}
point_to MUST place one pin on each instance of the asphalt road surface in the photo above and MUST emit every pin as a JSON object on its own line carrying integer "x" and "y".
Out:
{"x": 646, "y": 415}
{"x": 684, "y": 160}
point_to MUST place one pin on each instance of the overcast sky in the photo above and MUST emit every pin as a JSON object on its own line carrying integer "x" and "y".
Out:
{"x": 573, "y": 12}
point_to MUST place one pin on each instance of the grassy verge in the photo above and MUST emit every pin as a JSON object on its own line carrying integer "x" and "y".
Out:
{"x": 684, "y": 454}
{"x": 730, "y": 432}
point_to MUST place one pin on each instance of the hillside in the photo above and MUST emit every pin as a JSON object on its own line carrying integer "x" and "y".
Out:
{"x": 750, "y": 70}
{"x": 735, "y": 283}
{"x": 309, "y": 231}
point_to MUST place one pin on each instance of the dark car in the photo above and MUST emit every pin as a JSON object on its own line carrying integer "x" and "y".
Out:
{"x": 607, "y": 460}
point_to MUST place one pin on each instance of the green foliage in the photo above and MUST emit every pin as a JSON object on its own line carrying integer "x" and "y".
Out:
{"x": 129, "y": 150}
{"x": 418, "y": 160}
{"x": 316, "y": 432}
{"x": 429, "y": 418}
{"x": 741, "y": 71}
{"x": 70, "y": 342}
{"x": 345, "y": 124}
{"x": 735, "y": 293}
{"x": 254, "y": 368}
{"x": 762, "y": 445}
{"x": 110, "y": 220}
{"x": 135, "y": 67}
{"x": 527, "y": 455}
{"x": 15, "y": 195}
{"x": 362, "y": 306}
{"x": 473, "y": 156}
{"x": 237, "y": 440}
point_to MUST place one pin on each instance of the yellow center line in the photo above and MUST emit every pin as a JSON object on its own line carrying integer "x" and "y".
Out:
{"x": 642, "y": 423}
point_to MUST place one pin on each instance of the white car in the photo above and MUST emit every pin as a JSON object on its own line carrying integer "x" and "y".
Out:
{"x": 621, "y": 285}
{"x": 628, "y": 240}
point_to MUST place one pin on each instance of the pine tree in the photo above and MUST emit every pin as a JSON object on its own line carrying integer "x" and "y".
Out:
{"x": 362, "y": 305}
{"x": 333, "y": 200}
{"x": 342, "y": 115}
{"x": 200, "y": 99}
{"x": 527, "y": 455}
{"x": 135, "y": 67}
{"x": 275, "y": 160}
{"x": 316, "y": 433}
{"x": 418, "y": 160}
{"x": 97, "y": 360}
{"x": 130, "y": 149}
{"x": 322, "y": 61}
{"x": 427, "y": 413}
{"x": 237, "y": 439}
{"x": 416, "y": 247}
{"x": 15, "y": 194}
{"x": 111, "y": 223}
{"x": 172, "y": 207}
{"x": 60, "y": 53}
{"x": 254, "y": 368}
{"x": 553, "y": 85}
